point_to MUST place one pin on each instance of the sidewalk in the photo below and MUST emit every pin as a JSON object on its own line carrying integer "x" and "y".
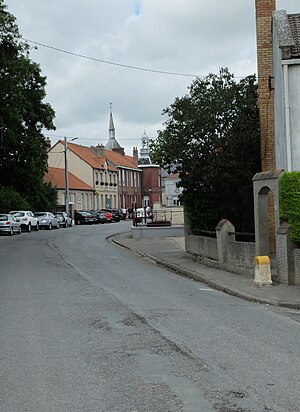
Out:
{"x": 169, "y": 252}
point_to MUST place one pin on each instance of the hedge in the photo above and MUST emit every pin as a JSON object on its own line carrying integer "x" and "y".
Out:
{"x": 289, "y": 201}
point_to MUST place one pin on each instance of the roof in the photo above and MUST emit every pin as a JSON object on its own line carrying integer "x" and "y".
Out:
{"x": 287, "y": 29}
{"x": 56, "y": 177}
{"x": 89, "y": 156}
{"x": 294, "y": 20}
{"x": 118, "y": 160}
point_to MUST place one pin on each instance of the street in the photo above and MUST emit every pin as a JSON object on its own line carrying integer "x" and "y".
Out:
{"x": 88, "y": 326}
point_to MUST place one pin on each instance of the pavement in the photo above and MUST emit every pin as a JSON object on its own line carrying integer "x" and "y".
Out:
{"x": 169, "y": 253}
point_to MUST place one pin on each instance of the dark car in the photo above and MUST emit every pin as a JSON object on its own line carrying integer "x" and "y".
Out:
{"x": 116, "y": 215}
{"x": 102, "y": 217}
{"x": 84, "y": 218}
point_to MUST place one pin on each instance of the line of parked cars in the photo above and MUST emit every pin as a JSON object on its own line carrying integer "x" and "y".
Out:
{"x": 17, "y": 220}
{"x": 96, "y": 216}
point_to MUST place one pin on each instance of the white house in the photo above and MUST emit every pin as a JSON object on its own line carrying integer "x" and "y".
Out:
{"x": 286, "y": 84}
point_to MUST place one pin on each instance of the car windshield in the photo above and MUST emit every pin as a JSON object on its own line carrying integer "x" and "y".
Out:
{"x": 3, "y": 217}
{"x": 40, "y": 214}
{"x": 58, "y": 214}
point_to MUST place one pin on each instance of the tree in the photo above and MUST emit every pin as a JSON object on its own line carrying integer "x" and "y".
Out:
{"x": 211, "y": 138}
{"x": 23, "y": 114}
{"x": 10, "y": 199}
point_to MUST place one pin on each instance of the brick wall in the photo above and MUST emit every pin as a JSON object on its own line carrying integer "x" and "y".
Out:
{"x": 264, "y": 10}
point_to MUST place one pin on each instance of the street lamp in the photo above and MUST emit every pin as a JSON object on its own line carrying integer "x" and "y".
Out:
{"x": 66, "y": 175}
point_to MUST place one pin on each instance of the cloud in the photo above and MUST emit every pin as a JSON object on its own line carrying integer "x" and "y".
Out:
{"x": 192, "y": 37}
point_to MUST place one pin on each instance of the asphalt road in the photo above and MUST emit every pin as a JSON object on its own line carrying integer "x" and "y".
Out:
{"x": 88, "y": 326}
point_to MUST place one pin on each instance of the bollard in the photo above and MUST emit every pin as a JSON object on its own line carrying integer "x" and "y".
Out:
{"x": 262, "y": 273}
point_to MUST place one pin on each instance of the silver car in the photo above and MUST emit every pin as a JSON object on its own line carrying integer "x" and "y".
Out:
{"x": 47, "y": 220}
{"x": 64, "y": 219}
{"x": 9, "y": 224}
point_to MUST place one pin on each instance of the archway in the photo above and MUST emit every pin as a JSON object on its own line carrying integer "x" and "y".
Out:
{"x": 266, "y": 211}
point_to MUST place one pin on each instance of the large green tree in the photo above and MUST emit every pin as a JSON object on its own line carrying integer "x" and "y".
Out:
{"x": 23, "y": 115}
{"x": 211, "y": 137}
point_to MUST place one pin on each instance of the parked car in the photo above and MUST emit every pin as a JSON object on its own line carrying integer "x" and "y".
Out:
{"x": 27, "y": 219}
{"x": 64, "y": 219}
{"x": 108, "y": 214}
{"x": 9, "y": 224}
{"x": 116, "y": 215}
{"x": 47, "y": 220}
{"x": 102, "y": 217}
{"x": 82, "y": 218}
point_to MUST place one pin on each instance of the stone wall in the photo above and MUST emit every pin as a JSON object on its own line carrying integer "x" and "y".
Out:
{"x": 203, "y": 248}
{"x": 241, "y": 257}
{"x": 223, "y": 252}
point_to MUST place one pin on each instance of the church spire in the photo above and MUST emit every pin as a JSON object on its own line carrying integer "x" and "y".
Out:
{"x": 111, "y": 129}
{"x": 112, "y": 143}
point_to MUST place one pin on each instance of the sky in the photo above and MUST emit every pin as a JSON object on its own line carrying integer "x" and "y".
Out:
{"x": 140, "y": 56}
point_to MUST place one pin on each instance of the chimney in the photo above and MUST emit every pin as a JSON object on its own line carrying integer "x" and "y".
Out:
{"x": 135, "y": 155}
{"x": 99, "y": 149}
{"x": 264, "y": 11}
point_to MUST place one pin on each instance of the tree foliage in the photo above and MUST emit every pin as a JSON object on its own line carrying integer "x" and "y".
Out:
{"x": 23, "y": 114}
{"x": 10, "y": 199}
{"x": 211, "y": 138}
{"x": 289, "y": 200}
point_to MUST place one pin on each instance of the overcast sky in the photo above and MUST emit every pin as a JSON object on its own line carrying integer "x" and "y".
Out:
{"x": 192, "y": 37}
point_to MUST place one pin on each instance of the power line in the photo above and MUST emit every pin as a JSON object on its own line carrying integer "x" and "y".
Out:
{"x": 111, "y": 63}
{"x": 92, "y": 139}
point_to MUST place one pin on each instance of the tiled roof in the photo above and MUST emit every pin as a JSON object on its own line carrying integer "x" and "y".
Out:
{"x": 89, "y": 156}
{"x": 57, "y": 178}
{"x": 119, "y": 160}
{"x": 294, "y": 21}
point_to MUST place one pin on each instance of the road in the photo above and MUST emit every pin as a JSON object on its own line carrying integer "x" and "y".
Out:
{"x": 88, "y": 326}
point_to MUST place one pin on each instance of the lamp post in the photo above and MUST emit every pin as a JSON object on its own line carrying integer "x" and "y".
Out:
{"x": 66, "y": 174}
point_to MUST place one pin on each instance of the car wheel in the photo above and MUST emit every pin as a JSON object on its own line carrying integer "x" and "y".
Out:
{"x": 66, "y": 225}
{"x": 19, "y": 230}
{"x": 58, "y": 225}
{"x": 50, "y": 226}
{"x": 11, "y": 232}
{"x": 29, "y": 228}
{"x": 37, "y": 227}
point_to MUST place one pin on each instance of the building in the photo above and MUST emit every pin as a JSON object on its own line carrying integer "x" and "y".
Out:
{"x": 80, "y": 192}
{"x": 129, "y": 174}
{"x": 91, "y": 169}
{"x": 151, "y": 175}
{"x": 286, "y": 83}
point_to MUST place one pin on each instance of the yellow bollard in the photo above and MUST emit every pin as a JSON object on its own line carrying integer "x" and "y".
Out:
{"x": 262, "y": 272}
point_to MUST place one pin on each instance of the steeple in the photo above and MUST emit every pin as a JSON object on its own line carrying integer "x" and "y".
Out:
{"x": 112, "y": 143}
{"x": 111, "y": 128}
{"x": 145, "y": 150}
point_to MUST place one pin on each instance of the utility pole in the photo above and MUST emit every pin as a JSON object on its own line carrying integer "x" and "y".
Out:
{"x": 66, "y": 178}
{"x": 67, "y": 174}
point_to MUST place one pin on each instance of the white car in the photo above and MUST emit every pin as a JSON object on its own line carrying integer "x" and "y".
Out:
{"x": 27, "y": 219}
{"x": 47, "y": 220}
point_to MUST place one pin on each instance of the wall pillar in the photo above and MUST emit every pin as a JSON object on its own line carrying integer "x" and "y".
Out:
{"x": 223, "y": 237}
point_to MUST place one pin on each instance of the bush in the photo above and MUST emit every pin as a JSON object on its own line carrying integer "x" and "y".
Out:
{"x": 10, "y": 199}
{"x": 289, "y": 200}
